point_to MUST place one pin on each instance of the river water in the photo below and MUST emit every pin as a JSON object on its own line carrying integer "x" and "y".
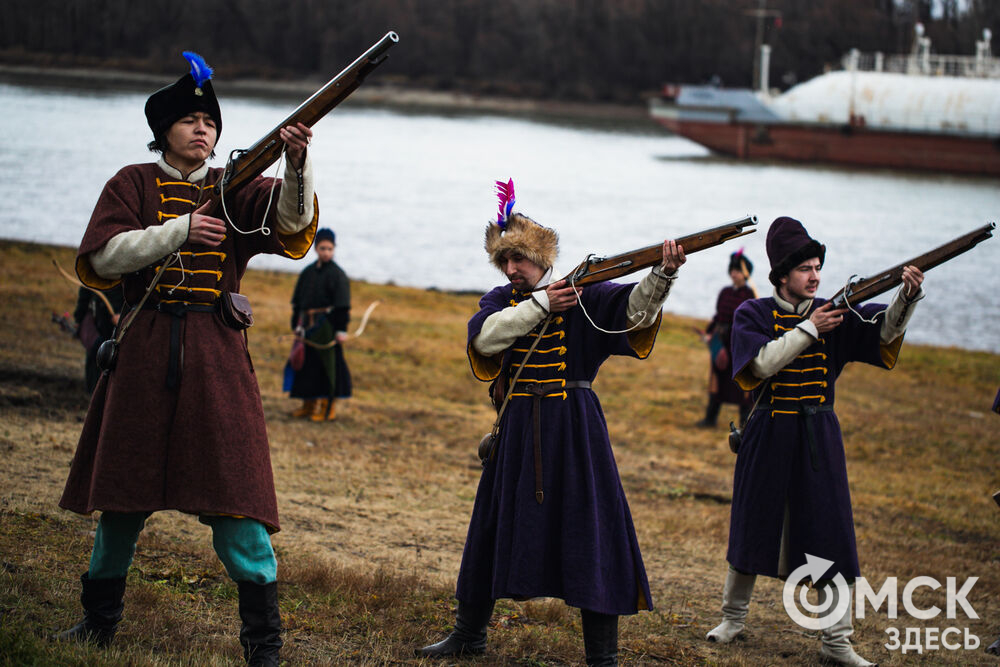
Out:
{"x": 409, "y": 195}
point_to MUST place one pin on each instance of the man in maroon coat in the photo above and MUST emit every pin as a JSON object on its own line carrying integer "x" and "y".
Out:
{"x": 790, "y": 494}
{"x": 176, "y": 420}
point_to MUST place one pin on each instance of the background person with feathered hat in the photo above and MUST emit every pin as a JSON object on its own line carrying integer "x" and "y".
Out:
{"x": 176, "y": 421}
{"x": 790, "y": 490}
{"x": 550, "y": 517}
{"x": 721, "y": 388}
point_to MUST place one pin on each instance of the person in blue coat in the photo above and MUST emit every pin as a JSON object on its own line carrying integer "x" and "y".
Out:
{"x": 550, "y": 517}
{"x": 790, "y": 491}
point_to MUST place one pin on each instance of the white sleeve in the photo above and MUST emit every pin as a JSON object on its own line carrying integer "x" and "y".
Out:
{"x": 647, "y": 297}
{"x": 289, "y": 220}
{"x": 138, "y": 248}
{"x": 898, "y": 315}
{"x": 782, "y": 350}
{"x": 503, "y": 327}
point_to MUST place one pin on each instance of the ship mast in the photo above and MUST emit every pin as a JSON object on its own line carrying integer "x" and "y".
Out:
{"x": 761, "y": 13}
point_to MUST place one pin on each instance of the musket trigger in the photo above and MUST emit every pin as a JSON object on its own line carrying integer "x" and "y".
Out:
{"x": 584, "y": 266}
{"x": 847, "y": 292}
{"x": 234, "y": 157}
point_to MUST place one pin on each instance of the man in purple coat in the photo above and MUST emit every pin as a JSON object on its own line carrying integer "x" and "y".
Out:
{"x": 550, "y": 517}
{"x": 790, "y": 492}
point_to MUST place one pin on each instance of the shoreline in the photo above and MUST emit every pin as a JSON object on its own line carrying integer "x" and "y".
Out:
{"x": 372, "y": 93}
{"x": 6, "y": 243}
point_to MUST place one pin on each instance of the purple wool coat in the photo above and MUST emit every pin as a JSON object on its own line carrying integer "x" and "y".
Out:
{"x": 579, "y": 544}
{"x": 200, "y": 446}
{"x": 793, "y": 460}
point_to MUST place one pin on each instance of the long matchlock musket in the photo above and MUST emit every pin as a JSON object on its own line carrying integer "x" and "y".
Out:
{"x": 596, "y": 269}
{"x": 858, "y": 290}
{"x": 245, "y": 165}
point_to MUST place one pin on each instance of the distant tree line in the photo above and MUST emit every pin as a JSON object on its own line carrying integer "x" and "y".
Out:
{"x": 602, "y": 50}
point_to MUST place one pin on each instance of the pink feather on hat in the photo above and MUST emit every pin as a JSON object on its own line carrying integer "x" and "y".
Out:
{"x": 505, "y": 193}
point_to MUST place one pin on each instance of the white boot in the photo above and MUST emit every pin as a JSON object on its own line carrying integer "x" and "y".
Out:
{"x": 735, "y": 604}
{"x": 837, "y": 638}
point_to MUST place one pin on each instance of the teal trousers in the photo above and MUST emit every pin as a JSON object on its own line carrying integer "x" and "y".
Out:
{"x": 243, "y": 546}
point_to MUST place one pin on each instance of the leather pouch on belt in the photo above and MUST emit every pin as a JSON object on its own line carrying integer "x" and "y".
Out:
{"x": 235, "y": 311}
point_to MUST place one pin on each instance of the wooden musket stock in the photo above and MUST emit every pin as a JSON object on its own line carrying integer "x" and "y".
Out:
{"x": 862, "y": 289}
{"x": 245, "y": 165}
{"x": 598, "y": 269}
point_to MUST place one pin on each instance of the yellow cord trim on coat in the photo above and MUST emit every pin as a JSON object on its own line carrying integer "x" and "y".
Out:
{"x": 167, "y": 288}
{"x": 161, "y": 216}
{"x": 822, "y": 399}
{"x": 821, "y": 355}
{"x": 561, "y": 350}
{"x": 561, "y": 334}
{"x": 186, "y": 303}
{"x": 561, "y": 394}
{"x": 217, "y": 274}
{"x": 164, "y": 199}
{"x": 530, "y": 381}
{"x": 821, "y": 383}
{"x": 162, "y": 183}
{"x": 776, "y": 314}
{"x": 822, "y": 369}
{"x": 207, "y": 253}
{"x": 559, "y": 365}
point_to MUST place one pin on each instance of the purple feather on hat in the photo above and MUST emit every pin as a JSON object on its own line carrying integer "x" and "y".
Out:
{"x": 505, "y": 193}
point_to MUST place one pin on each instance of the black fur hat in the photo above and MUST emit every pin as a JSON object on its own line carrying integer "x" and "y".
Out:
{"x": 192, "y": 92}
{"x": 788, "y": 245}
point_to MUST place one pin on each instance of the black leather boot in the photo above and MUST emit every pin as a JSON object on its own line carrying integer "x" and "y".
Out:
{"x": 469, "y": 635}
{"x": 600, "y": 638}
{"x": 260, "y": 635}
{"x": 102, "y": 610}
{"x": 711, "y": 413}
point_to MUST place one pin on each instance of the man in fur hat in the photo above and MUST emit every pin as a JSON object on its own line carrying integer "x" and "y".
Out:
{"x": 550, "y": 516}
{"x": 790, "y": 492}
{"x": 176, "y": 421}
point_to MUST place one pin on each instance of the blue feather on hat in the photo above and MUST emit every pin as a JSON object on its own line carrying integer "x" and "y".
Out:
{"x": 200, "y": 71}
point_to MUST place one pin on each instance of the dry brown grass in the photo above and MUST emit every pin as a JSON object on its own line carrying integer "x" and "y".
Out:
{"x": 375, "y": 505}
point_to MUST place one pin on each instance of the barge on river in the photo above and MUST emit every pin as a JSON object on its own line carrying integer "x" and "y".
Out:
{"x": 919, "y": 111}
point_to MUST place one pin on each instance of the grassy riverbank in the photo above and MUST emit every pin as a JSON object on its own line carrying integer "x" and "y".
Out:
{"x": 375, "y": 505}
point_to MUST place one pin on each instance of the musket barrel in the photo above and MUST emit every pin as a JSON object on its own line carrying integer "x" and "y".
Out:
{"x": 862, "y": 290}
{"x": 625, "y": 263}
{"x": 263, "y": 153}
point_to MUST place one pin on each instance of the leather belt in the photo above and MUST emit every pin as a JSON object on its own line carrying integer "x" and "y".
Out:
{"x": 538, "y": 391}
{"x": 178, "y": 310}
{"x": 808, "y": 412}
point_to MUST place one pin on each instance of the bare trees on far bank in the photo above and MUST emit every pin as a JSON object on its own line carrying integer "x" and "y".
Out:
{"x": 600, "y": 50}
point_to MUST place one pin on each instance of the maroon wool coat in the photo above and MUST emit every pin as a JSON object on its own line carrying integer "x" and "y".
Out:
{"x": 721, "y": 326}
{"x": 201, "y": 446}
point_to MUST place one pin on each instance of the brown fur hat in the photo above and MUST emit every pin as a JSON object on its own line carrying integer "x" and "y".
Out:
{"x": 523, "y": 235}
